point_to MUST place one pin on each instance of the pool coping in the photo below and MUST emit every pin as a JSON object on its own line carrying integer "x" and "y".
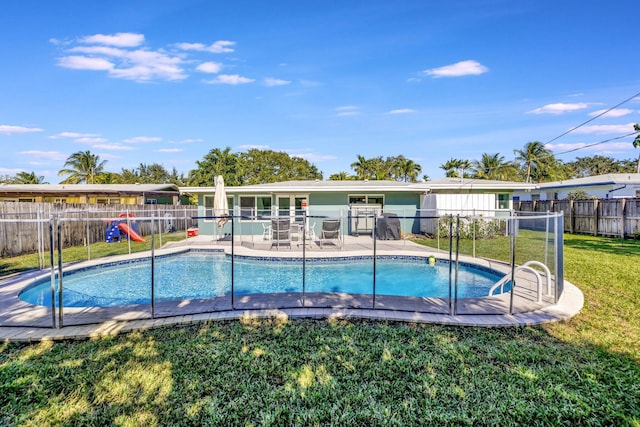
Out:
{"x": 569, "y": 304}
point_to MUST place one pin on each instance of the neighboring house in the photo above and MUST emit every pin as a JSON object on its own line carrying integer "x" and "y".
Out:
{"x": 616, "y": 185}
{"x": 354, "y": 201}
{"x": 125, "y": 194}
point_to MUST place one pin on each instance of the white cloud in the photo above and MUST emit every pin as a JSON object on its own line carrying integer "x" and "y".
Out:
{"x": 605, "y": 129}
{"x": 9, "y": 130}
{"x": 118, "y": 39}
{"x": 221, "y": 46}
{"x": 187, "y": 141}
{"x": 616, "y": 112}
{"x": 77, "y": 62}
{"x": 229, "y": 79}
{"x": 312, "y": 157}
{"x": 402, "y": 111}
{"x": 252, "y": 146}
{"x": 462, "y": 68}
{"x": 270, "y": 81}
{"x": 47, "y": 155}
{"x": 7, "y": 171}
{"x": 559, "y": 108}
{"x": 90, "y": 140}
{"x": 347, "y": 110}
{"x": 600, "y": 148}
{"x": 132, "y": 64}
{"x": 169, "y": 150}
{"x": 73, "y": 135}
{"x": 113, "y": 147}
{"x": 143, "y": 139}
{"x": 209, "y": 67}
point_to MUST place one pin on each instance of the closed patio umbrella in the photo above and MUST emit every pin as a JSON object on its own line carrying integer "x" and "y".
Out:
{"x": 220, "y": 205}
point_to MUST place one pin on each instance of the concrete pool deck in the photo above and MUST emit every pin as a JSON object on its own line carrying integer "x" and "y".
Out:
{"x": 397, "y": 309}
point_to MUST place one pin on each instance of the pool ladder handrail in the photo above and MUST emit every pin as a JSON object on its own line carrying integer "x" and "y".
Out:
{"x": 526, "y": 267}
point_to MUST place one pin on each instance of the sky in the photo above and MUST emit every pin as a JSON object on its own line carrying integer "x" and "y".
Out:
{"x": 166, "y": 81}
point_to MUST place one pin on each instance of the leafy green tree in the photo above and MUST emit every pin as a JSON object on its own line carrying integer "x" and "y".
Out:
{"x": 578, "y": 195}
{"x": 454, "y": 168}
{"x": 450, "y": 168}
{"x": 82, "y": 167}
{"x": 341, "y": 176}
{"x": 362, "y": 168}
{"x": 27, "y": 178}
{"x": 216, "y": 162}
{"x": 494, "y": 167}
{"x": 595, "y": 165}
{"x": 150, "y": 174}
{"x": 379, "y": 168}
{"x": 406, "y": 169}
{"x": 265, "y": 166}
{"x": 535, "y": 160}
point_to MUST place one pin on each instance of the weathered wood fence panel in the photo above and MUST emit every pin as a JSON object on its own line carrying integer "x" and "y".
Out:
{"x": 599, "y": 217}
{"x": 24, "y": 227}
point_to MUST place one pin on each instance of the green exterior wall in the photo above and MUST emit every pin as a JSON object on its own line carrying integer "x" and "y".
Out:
{"x": 321, "y": 205}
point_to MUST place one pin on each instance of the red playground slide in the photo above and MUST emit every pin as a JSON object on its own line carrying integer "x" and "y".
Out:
{"x": 132, "y": 234}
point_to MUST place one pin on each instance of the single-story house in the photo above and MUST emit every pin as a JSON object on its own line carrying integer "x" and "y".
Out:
{"x": 125, "y": 194}
{"x": 355, "y": 202}
{"x": 609, "y": 186}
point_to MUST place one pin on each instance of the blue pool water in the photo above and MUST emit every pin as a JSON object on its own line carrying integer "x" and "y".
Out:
{"x": 196, "y": 275}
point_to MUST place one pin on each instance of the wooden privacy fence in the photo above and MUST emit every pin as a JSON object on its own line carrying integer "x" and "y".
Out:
{"x": 600, "y": 217}
{"x": 24, "y": 227}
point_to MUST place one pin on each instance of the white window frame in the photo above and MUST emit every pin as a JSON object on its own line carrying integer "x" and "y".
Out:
{"x": 108, "y": 200}
{"x": 254, "y": 216}
{"x": 208, "y": 211}
{"x": 499, "y": 201}
{"x": 366, "y": 198}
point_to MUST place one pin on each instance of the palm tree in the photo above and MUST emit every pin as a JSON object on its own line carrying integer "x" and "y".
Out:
{"x": 407, "y": 169}
{"x": 340, "y": 176}
{"x": 636, "y": 142}
{"x": 493, "y": 166}
{"x": 455, "y": 168}
{"x": 462, "y": 165}
{"x": 534, "y": 156}
{"x": 28, "y": 178}
{"x": 84, "y": 167}
{"x": 450, "y": 167}
{"x": 361, "y": 167}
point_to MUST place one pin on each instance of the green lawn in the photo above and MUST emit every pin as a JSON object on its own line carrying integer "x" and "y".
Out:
{"x": 275, "y": 372}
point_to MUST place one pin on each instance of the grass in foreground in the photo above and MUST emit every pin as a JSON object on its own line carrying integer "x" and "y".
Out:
{"x": 582, "y": 372}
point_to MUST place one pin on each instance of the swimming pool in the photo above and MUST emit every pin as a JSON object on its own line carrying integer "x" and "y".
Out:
{"x": 197, "y": 275}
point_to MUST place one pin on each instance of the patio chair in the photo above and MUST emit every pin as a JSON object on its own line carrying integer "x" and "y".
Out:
{"x": 280, "y": 232}
{"x": 330, "y": 232}
{"x": 266, "y": 231}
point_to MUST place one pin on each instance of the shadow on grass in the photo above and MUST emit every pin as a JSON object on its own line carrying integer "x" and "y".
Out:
{"x": 623, "y": 247}
{"x": 310, "y": 372}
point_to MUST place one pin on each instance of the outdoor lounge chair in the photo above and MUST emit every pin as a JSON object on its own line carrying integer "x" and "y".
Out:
{"x": 280, "y": 232}
{"x": 330, "y": 232}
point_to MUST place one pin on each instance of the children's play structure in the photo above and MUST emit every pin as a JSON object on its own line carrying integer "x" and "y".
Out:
{"x": 123, "y": 228}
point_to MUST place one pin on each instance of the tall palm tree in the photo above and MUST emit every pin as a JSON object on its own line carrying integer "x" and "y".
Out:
{"x": 361, "y": 167}
{"x": 83, "y": 167}
{"x": 451, "y": 167}
{"x": 28, "y": 178}
{"x": 533, "y": 157}
{"x": 464, "y": 165}
{"x": 340, "y": 176}
{"x": 455, "y": 168}
{"x": 407, "y": 169}
{"x": 493, "y": 166}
